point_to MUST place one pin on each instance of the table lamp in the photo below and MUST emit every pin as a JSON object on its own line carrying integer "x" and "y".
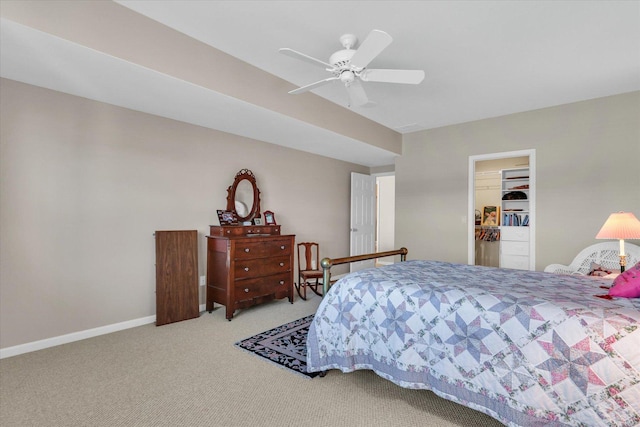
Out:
{"x": 620, "y": 225}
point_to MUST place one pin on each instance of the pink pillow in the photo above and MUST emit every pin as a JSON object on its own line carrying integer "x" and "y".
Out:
{"x": 627, "y": 284}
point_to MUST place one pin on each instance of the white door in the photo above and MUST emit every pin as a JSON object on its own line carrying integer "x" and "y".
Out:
{"x": 363, "y": 218}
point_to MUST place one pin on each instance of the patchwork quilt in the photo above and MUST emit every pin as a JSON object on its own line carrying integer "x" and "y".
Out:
{"x": 525, "y": 347}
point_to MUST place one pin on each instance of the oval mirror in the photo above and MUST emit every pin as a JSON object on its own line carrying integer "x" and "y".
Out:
{"x": 244, "y": 196}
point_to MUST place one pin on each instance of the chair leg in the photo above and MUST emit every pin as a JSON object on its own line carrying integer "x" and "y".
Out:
{"x": 314, "y": 288}
{"x": 304, "y": 286}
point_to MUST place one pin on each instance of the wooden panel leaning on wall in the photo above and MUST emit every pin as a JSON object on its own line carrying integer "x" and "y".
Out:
{"x": 176, "y": 276}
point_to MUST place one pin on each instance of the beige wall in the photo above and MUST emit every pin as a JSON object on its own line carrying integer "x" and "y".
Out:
{"x": 110, "y": 28}
{"x": 84, "y": 185}
{"x": 587, "y": 157}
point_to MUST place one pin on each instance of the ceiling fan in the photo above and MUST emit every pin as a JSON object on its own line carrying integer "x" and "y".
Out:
{"x": 350, "y": 66}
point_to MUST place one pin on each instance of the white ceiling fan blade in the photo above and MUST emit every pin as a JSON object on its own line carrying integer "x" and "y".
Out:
{"x": 371, "y": 47}
{"x": 393, "y": 76}
{"x": 312, "y": 85}
{"x": 357, "y": 95}
{"x": 295, "y": 54}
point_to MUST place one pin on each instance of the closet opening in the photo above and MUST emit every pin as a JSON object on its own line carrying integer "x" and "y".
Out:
{"x": 502, "y": 233}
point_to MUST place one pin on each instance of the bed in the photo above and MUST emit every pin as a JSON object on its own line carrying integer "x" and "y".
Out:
{"x": 525, "y": 347}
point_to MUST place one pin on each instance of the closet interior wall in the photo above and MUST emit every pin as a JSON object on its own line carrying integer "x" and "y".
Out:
{"x": 487, "y": 236}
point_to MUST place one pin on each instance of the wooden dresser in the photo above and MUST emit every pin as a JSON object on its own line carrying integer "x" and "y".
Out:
{"x": 248, "y": 265}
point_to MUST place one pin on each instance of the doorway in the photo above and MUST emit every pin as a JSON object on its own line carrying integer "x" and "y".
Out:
{"x": 385, "y": 216}
{"x": 485, "y": 189}
{"x": 372, "y": 217}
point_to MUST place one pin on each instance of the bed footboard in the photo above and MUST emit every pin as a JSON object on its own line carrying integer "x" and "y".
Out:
{"x": 327, "y": 263}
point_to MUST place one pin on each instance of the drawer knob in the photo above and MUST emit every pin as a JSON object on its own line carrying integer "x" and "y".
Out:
{"x": 246, "y": 290}
{"x": 282, "y": 282}
{"x": 282, "y": 264}
{"x": 282, "y": 247}
{"x": 247, "y": 250}
{"x": 246, "y": 269}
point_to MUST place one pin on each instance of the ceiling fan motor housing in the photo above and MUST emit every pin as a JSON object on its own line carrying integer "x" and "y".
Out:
{"x": 341, "y": 58}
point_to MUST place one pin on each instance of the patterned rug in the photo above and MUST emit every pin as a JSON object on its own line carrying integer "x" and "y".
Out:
{"x": 285, "y": 345}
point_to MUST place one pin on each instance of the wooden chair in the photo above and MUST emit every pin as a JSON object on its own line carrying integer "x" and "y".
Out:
{"x": 309, "y": 271}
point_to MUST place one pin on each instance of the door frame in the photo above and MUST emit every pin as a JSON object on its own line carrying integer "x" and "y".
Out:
{"x": 531, "y": 153}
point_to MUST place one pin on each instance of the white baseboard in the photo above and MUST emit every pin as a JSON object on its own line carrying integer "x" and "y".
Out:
{"x": 77, "y": 336}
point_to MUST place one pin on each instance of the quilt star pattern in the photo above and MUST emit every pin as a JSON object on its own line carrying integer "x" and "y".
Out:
{"x": 525, "y": 347}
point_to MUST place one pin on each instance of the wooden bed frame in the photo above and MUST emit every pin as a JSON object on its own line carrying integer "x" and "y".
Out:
{"x": 327, "y": 263}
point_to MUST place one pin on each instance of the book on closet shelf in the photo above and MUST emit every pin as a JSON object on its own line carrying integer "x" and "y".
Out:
{"x": 515, "y": 220}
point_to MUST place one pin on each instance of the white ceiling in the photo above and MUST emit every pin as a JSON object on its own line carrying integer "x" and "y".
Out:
{"x": 481, "y": 58}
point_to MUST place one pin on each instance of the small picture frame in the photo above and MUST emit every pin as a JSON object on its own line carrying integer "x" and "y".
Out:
{"x": 227, "y": 217}
{"x": 257, "y": 221}
{"x": 491, "y": 215}
{"x": 269, "y": 218}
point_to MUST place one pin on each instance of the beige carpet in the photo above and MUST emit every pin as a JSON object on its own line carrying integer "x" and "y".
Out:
{"x": 190, "y": 374}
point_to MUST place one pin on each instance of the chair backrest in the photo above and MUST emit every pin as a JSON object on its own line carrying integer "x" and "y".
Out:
{"x": 607, "y": 255}
{"x": 308, "y": 256}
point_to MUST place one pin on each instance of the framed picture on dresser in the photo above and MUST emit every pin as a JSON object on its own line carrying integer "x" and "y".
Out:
{"x": 269, "y": 218}
{"x": 227, "y": 217}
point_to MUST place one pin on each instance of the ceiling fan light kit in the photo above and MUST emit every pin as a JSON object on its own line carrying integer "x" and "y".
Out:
{"x": 347, "y": 77}
{"x": 350, "y": 66}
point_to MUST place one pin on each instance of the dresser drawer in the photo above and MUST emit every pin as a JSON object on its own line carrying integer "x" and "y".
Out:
{"x": 248, "y": 249}
{"x": 245, "y": 268}
{"x": 240, "y": 230}
{"x": 514, "y": 233}
{"x": 514, "y": 261}
{"x": 253, "y": 288}
{"x": 514, "y": 248}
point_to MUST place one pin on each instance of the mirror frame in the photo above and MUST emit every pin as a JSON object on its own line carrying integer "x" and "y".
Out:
{"x": 231, "y": 195}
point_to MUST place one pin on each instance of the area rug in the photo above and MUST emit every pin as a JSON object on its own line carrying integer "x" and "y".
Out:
{"x": 285, "y": 345}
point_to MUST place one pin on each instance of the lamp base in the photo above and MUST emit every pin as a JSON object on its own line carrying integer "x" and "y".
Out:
{"x": 623, "y": 263}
